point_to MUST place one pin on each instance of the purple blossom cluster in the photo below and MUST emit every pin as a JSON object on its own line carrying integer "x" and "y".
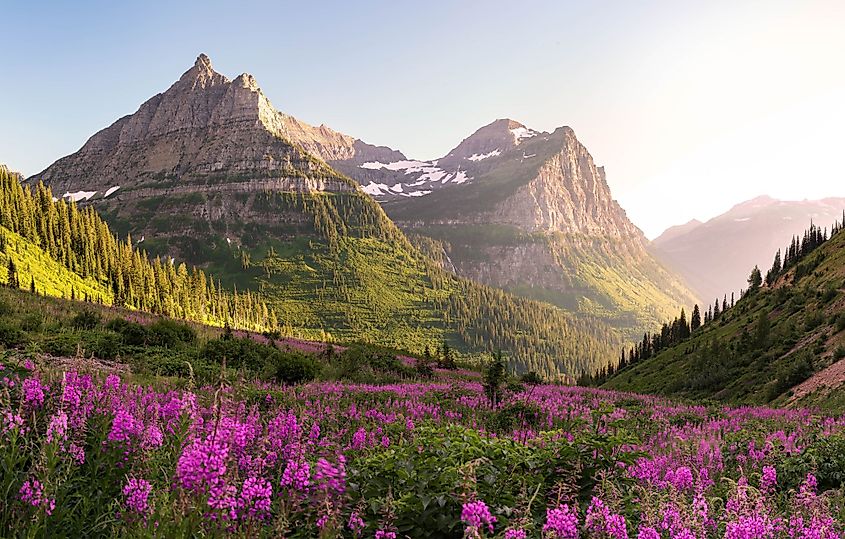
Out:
{"x": 238, "y": 461}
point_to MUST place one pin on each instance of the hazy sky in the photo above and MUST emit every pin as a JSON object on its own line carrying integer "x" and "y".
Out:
{"x": 690, "y": 106}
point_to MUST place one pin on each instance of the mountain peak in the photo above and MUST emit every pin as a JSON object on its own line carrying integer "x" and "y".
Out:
{"x": 203, "y": 62}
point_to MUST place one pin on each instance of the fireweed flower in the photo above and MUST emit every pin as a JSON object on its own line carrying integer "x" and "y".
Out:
{"x": 382, "y": 534}
{"x": 57, "y": 429}
{"x": 202, "y": 465}
{"x": 136, "y": 495}
{"x": 648, "y": 533}
{"x": 297, "y": 475}
{"x": 356, "y": 524}
{"x": 561, "y": 523}
{"x": 476, "y": 515}
{"x": 33, "y": 392}
{"x": 600, "y": 520}
{"x": 255, "y": 497}
{"x": 331, "y": 477}
{"x": 516, "y": 534}
{"x": 768, "y": 480}
{"x": 125, "y": 428}
{"x": 32, "y": 493}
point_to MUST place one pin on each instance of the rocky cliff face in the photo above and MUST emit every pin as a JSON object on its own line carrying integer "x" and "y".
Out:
{"x": 536, "y": 216}
{"x": 204, "y": 127}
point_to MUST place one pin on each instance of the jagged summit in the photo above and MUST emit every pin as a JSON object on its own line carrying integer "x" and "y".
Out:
{"x": 203, "y": 125}
{"x": 203, "y": 62}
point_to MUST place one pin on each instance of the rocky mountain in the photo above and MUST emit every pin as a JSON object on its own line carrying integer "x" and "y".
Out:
{"x": 211, "y": 173}
{"x": 535, "y": 215}
{"x": 716, "y": 257}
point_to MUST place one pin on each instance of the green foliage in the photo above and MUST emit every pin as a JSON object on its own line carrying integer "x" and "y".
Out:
{"x": 840, "y": 323}
{"x": 169, "y": 333}
{"x": 430, "y": 476}
{"x": 86, "y": 319}
{"x": 292, "y": 368}
{"x": 766, "y": 344}
{"x": 494, "y": 378}
{"x": 10, "y": 335}
{"x": 56, "y": 248}
{"x": 791, "y": 375}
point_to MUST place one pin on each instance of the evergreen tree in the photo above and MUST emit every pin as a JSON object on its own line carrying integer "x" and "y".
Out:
{"x": 755, "y": 280}
{"x": 32, "y": 284}
{"x": 775, "y": 270}
{"x": 716, "y": 311}
{"x": 494, "y": 379}
{"x": 695, "y": 322}
{"x": 12, "y": 278}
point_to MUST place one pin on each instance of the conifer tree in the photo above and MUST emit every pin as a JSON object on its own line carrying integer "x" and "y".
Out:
{"x": 695, "y": 322}
{"x": 12, "y": 279}
{"x": 755, "y": 280}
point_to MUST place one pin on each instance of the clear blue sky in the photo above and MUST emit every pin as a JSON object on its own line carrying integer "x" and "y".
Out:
{"x": 691, "y": 106}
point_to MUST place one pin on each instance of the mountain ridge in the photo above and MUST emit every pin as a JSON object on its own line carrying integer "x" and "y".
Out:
{"x": 231, "y": 186}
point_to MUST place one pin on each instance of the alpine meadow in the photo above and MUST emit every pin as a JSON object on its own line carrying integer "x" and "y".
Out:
{"x": 220, "y": 320}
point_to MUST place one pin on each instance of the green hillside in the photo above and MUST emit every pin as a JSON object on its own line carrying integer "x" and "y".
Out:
{"x": 772, "y": 340}
{"x": 54, "y": 248}
{"x": 334, "y": 267}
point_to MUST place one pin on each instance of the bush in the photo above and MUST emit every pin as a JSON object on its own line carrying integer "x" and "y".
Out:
{"x": 531, "y": 378}
{"x": 237, "y": 353}
{"x": 105, "y": 345}
{"x": 86, "y": 319}
{"x": 839, "y": 353}
{"x": 169, "y": 333}
{"x": 5, "y": 308}
{"x": 10, "y": 335}
{"x": 32, "y": 322}
{"x": 791, "y": 376}
{"x": 61, "y": 344}
{"x": 133, "y": 333}
{"x": 292, "y": 368}
{"x": 840, "y": 322}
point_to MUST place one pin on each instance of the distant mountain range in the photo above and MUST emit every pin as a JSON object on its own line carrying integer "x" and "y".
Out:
{"x": 717, "y": 256}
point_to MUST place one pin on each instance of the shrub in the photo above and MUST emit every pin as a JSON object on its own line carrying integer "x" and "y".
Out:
{"x": 32, "y": 322}
{"x": 169, "y": 333}
{"x": 5, "y": 308}
{"x": 839, "y": 353}
{"x": 10, "y": 335}
{"x": 292, "y": 368}
{"x": 840, "y": 322}
{"x": 237, "y": 353}
{"x": 106, "y": 345}
{"x": 790, "y": 376}
{"x": 133, "y": 333}
{"x": 531, "y": 378}
{"x": 86, "y": 319}
{"x": 61, "y": 344}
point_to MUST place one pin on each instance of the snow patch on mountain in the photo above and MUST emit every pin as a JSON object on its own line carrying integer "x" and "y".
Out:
{"x": 396, "y": 165}
{"x": 481, "y": 156}
{"x": 111, "y": 190}
{"x": 520, "y": 133}
{"x": 79, "y": 195}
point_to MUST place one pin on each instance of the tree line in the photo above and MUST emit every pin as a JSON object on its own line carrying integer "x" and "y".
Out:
{"x": 82, "y": 242}
{"x": 680, "y": 329}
